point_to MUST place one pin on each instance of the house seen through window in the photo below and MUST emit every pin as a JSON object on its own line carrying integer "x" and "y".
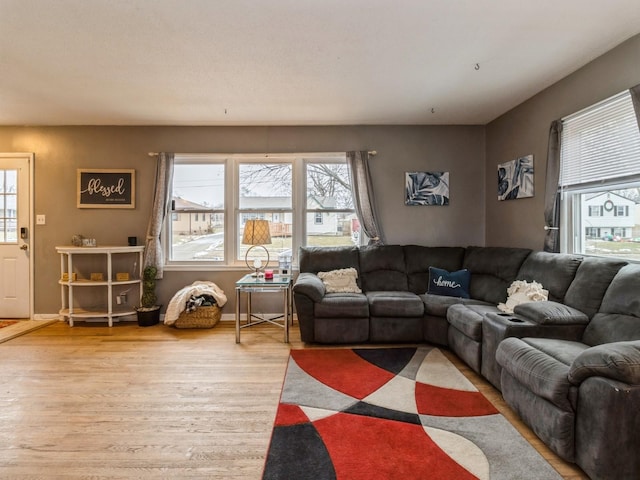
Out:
{"x": 600, "y": 180}
{"x": 306, "y": 199}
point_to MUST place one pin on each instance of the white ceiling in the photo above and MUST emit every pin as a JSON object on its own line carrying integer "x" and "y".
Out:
{"x": 292, "y": 62}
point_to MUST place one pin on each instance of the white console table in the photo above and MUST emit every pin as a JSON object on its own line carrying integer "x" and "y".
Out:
{"x": 84, "y": 297}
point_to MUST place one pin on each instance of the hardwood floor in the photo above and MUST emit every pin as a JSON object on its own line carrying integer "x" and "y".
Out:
{"x": 132, "y": 402}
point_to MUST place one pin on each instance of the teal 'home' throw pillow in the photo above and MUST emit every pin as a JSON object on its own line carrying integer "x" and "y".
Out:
{"x": 451, "y": 284}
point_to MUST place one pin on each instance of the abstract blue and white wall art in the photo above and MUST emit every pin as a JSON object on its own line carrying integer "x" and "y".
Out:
{"x": 426, "y": 188}
{"x": 515, "y": 178}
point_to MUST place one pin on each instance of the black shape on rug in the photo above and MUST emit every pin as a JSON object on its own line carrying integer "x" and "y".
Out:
{"x": 368, "y": 410}
{"x": 297, "y": 452}
{"x": 390, "y": 359}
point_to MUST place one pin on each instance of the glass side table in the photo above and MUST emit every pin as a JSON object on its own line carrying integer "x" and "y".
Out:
{"x": 279, "y": 284}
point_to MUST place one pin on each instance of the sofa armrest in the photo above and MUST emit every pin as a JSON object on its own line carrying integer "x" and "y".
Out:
{"x": 310, "y": 285}
{"x": 551, "y": 313}
{"x": 618, "y": 361}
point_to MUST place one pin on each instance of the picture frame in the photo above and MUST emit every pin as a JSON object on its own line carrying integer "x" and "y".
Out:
{"x": 515, "y": 179}
{"x": 106, "y": 188}
{"x": 426, "y": 188}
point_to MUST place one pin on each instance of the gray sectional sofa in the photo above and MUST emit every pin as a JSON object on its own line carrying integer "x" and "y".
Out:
{"x": 569, "y": 366}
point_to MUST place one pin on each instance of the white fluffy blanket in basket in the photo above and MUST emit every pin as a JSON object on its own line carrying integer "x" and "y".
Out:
{"x": 521, "y": 291}
{"x": 179, "y": 301}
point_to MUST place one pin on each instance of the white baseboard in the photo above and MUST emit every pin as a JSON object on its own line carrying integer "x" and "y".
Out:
{"x": 46, "y": 316}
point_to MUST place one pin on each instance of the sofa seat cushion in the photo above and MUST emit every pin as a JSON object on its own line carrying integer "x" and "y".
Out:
{"x": 542, "y": 365}
{"x": 395, "y": 304}
{"x": 437, "y": 305}
{"x": 468, "y": 318}
{"x": 342, "y": 305}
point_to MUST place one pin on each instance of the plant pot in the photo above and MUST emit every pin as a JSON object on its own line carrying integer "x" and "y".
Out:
{"x": 148, "y": 317}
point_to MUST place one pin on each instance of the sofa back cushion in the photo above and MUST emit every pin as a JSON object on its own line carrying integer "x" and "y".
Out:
{"x": 591, "y": 282}
{"x": 325, "y": 259}
{"x": 418, "y": 259}
{"x": 555, "y": 271}
{"x": 618, "y": 319}
{"x": 382, "y": 268}
{"x": 492, "y": 271}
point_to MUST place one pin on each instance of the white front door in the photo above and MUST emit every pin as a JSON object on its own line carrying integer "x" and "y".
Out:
{"x": 15, "y": 235}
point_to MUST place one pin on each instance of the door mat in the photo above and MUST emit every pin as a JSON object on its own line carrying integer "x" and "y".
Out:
{"x": 20, "y": 327}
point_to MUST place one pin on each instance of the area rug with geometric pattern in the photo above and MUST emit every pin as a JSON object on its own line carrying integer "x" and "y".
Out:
{"x": 391, "y": 413}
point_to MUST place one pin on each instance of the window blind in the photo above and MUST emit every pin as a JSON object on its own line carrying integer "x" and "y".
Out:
{"x": 600, "y": 143}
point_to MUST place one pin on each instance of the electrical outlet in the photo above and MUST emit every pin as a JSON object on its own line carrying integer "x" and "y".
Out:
{"x": 41, "y": 220}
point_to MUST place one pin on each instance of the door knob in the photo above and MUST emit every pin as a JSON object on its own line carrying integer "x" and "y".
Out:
{"x": 24, "y": 246}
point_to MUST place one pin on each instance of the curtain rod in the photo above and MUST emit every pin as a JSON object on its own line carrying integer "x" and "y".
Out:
{"x": 371, "y": 152}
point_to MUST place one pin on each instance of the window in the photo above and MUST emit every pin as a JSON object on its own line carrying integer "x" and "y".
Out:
{"x": 331, "y": 218}
{"x": 591, "y": 232}
{"x": 600, "y": 180}
{"x": 595, "y": 211}
{"x": 197, "y": 223}
{"x": 265, "y": 192}
{"x": 621, "y": 211}
{"x": 306, "y": 199}
{"x": 8, "y": 206}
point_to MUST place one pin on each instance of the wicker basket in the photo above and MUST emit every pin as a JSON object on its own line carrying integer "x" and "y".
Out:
{"x": 201, "y": 317}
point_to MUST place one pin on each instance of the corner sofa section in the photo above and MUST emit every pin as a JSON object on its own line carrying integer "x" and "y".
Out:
{"x": 569, "y": 366}
{"x": 581, "y": 395}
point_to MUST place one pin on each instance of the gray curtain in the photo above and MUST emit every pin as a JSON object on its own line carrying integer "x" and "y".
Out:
{"x": 635, "y": 96}
{"x": 551, "y": 194}
{"x": 363, "y": 196}
{"x": 153, "y": 254}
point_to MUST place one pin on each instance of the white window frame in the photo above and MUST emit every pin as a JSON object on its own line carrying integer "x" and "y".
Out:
{"x": 573, "y": 231}
{"x": 232, "y": 211}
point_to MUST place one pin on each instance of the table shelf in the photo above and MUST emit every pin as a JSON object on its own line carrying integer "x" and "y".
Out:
{"x": 83, "y": 298}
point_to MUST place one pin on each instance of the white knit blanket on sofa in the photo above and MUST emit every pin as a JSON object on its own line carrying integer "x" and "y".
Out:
{"x": 521, "y": 291}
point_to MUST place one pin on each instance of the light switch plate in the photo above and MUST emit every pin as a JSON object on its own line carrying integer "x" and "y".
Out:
{"x": 41, "y": 220}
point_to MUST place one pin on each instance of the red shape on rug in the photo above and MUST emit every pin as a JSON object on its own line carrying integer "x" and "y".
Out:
{"x": 362, "y": 448}
{"x": 6, "y": 323}
{"x": 447, "y": 402}
{"x": 290, "y": 415}
{"x": 342, "y": 370}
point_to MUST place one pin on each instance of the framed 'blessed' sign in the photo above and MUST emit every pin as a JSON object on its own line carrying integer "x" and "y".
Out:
{"x": 106, "y": 188}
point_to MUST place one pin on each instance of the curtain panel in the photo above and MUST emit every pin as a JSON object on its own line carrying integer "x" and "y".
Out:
{"x": 153, "y": 254}
{"x": 362, "y": 190}
{"x": 635, "y": 97}
{"x": 551, "y": 194}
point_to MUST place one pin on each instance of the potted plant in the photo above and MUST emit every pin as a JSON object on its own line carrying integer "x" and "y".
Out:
{"x": 149, "y": 311}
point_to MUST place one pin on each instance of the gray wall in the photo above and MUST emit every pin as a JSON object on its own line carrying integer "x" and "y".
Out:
{"x": 59, "y": 151}
{"x": 474, "y": 216}
{"x": 525, "y": 129}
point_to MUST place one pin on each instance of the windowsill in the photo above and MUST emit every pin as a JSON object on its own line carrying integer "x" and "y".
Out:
{"x": 215, "y": 268}
{"x": 622, "y": 259}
